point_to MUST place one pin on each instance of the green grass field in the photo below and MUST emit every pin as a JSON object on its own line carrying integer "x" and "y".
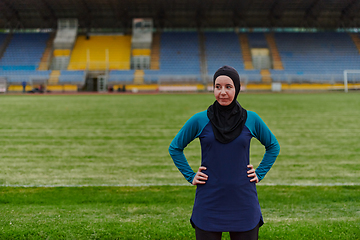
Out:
{"x": 115, "y": 147}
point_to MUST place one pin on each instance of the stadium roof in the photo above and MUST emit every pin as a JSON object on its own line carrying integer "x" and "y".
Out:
{"x": 182, "y": 13}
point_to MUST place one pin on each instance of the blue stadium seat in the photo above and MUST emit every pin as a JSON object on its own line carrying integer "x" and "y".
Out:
{"x": 319, "y": 57}
{"x": 18, "y": 76}
{"x": 73, "y": 77}
{"x": 223, "y": 48}
{"x": 257, "y": 40}
{"x": 24, "y": 51}
{"x": 179, "y": 54}
{"x": 151, "y": 76}
{"x": 121, "y": 76}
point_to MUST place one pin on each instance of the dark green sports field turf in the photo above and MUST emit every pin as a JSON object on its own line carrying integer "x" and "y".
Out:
{"x": 107, "y": 142}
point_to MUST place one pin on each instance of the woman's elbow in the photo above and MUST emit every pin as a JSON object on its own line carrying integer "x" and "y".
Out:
{"x": 173, "y": 150}
{"x": 274, "y": 148}
{"x": 277, "y": 148}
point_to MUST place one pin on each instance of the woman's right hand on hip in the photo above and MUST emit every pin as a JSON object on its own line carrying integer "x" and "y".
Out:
{"x": 200, "y": 178}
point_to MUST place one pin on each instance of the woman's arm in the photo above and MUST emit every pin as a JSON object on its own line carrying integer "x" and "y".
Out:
{"x": 191, "y": 130}
{"x": 267, "y": 138}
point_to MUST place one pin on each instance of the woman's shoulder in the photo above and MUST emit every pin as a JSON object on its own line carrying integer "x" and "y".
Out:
{"x": 252, "y": 115}
{"x": 196, "y": 124}
{"x": 200, "y": 114}
{"x": 253, "y": 119}
{"x": 200, "y": 117}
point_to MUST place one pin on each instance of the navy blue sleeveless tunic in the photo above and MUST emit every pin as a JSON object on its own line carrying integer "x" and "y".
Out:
{"x": 228, "y": 201}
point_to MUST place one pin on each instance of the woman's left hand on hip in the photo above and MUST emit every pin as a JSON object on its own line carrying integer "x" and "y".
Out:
{"x": 251, "y": 174}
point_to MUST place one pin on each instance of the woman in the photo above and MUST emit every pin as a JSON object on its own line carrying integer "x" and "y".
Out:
{"x": 226, "y": 198}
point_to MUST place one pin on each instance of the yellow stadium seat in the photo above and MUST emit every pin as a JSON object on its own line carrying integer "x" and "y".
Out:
{"x": 18, "y": 88}
{"x": 116, "y": 48}
{"x": 61, "y": 52}
{"x": 70, "y": 88}
{"x": 141, "y": 52}
{"x": 55, "y": 88}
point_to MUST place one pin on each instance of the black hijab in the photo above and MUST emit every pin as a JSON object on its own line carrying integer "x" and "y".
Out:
{"x": 227, "y": 121}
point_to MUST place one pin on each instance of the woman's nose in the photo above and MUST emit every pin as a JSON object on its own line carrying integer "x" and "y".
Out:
{"x": 223, "y": 91}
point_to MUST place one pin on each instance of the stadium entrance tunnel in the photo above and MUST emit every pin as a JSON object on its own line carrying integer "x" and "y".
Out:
{"x": 90, "y": 85}
{"x": 95, "y": 82}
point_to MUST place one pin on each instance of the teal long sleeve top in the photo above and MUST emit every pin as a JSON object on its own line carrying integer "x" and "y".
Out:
{"x": 195, "y": 125}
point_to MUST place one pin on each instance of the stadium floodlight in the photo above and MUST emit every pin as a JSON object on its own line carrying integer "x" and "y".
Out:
{"x": 346, "y": 72}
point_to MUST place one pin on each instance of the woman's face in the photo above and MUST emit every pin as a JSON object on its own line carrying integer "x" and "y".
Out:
{"x": 224, "y": 90}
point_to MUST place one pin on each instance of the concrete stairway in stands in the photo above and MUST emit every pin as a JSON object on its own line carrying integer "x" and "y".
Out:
{"x": 276, "y": 59}
{"x": 244, "y": 44}
{"x": 356, "y": 39}
{"x": 139, "y": 77}
{"x": 265, "y": 76}
{"x": 54, "y": 77}
{"x": 46, "y": 57}
{"x": 155, "y": 52}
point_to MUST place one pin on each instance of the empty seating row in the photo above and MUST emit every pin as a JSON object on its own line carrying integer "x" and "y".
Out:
{"x": 74, "y": 77}
{"x": 121, "y": 76}
{"x": 13, "y": 76}
{"x": 19, "y": 76}
{"x": 24, "y": 51}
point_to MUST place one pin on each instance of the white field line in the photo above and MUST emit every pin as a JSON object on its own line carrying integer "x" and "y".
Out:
{"x": 178, "y": 184}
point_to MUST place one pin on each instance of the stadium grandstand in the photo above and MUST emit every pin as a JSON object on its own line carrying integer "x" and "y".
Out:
{"x": 100, "y": 45}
